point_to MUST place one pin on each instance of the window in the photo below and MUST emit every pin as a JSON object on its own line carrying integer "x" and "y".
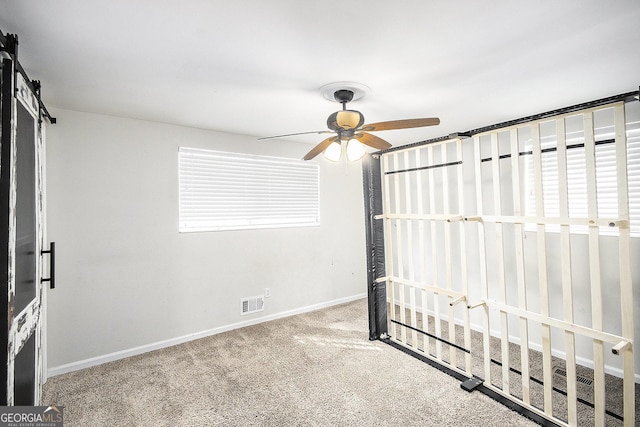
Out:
{"x": 231, "y": 191}
{"x": 605, "y": 172}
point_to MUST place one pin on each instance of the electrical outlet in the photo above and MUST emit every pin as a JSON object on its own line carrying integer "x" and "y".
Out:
{"x": 267, "y": 292}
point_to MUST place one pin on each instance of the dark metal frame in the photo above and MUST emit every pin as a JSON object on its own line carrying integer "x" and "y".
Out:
{"x": 442, "y": 165}
{"x": 549, "y": 150}
{"x": 626, "y": 97}
{"x": 377, "y": 291}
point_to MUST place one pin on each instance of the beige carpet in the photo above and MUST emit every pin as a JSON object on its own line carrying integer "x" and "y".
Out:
{"x": 314, "y": 369}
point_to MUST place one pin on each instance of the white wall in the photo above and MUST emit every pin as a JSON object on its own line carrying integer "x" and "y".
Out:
{"x": 126, "y": 278}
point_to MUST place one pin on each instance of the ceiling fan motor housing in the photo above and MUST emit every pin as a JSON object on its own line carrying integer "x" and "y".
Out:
{"x": 345, "y": 120}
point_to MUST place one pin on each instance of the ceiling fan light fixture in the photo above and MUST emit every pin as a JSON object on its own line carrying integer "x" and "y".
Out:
{"x": 355, "y": 150}
{"x": 333, "y": 152}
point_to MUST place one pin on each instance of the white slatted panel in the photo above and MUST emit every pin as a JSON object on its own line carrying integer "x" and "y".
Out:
{"x": 543, "y": 278}
{"x": 520, "y": 273}
{"x": 400, "y": 249}
{"x": 463, "y": 267}
{"x": 574, "y": 185}
{"x": 389, "y": 254}
{"x": 434, "y": 249}
{"x": 422, "y": 253}
{"x": 231, "y": 191}
{"x": 567, "y": 278}
{"x": 624, "y": 250}
{"x": 606, "y": 183}
{"x": 633, "y": 173}
{"x": 482, "y": 258}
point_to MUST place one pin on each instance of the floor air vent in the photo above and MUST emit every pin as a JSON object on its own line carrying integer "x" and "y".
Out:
{"x": 251, "y": 304}
{"x": 580, "y": 379}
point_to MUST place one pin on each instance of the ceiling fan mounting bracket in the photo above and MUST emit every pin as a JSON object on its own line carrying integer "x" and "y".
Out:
{"x": 343, "y": 96}
{"x": 359, "y": 90}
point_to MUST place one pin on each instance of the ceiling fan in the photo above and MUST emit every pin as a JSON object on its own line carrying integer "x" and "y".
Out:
{"x": 348, "y": 126}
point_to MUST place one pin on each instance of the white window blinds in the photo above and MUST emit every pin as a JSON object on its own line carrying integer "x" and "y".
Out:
{"x": 232, "y": 191}
{"x": 607, "y": 189}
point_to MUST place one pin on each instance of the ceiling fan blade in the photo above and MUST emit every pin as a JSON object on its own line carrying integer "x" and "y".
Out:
{"x": 372, "y": 141}
{"x": 320, "y": 148}
{"x": 318, "y": 132}
{"x": 401, "y": 124}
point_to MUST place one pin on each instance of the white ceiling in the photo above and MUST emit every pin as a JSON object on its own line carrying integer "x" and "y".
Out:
{"x": 255, "y": 67}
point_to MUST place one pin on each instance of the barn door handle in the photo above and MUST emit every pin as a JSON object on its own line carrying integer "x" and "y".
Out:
{"x": 52, "y": 265}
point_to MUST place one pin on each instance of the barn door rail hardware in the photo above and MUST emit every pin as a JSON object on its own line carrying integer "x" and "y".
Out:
{"x": 9, "y": 44}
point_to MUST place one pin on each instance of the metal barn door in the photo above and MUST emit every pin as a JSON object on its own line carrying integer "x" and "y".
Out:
{"x": 497, "y": 270}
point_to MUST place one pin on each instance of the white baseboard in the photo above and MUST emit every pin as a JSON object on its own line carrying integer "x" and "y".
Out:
{"x": 98, "y": 360}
